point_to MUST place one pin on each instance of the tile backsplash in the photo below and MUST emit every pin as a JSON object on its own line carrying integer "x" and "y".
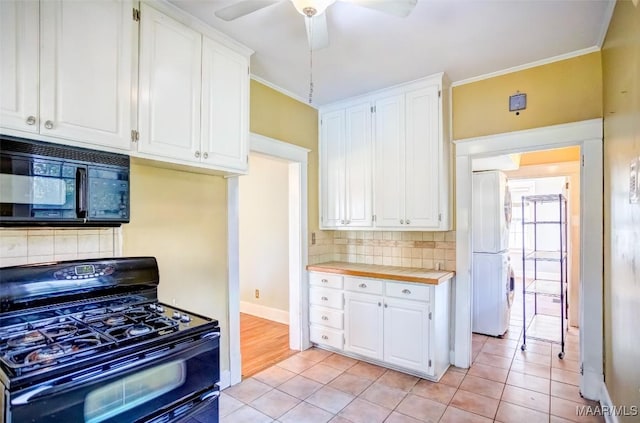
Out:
{"x": 408, "y": 249}
{"x": 34, "y": 245}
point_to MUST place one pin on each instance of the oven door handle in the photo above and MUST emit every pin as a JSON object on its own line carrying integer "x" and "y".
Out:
{"x": 24, "y": 398}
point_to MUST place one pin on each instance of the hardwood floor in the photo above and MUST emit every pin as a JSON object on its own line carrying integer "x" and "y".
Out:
{"x": 263, "y": 343}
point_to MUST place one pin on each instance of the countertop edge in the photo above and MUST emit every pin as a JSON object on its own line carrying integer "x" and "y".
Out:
{"x": 326, "y": 268}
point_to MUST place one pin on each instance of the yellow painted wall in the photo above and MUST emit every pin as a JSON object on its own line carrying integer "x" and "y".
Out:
{"x": 281, "y": 117}
{"x": 181, "y": 219}
{"x": 560, "y": 92}
{"x": 621, "y": 72}
{"x": 557, "y": 155}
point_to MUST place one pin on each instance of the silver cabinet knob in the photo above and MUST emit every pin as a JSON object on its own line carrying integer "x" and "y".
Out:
{"x": 402, "y": 221}
{"x": 325, "y": 318}
{"x": 408, "y": 221}
{"x": 324, "y": 281}
{"x": 385, "y": 306}
{"x": 205, "y": 155}
{"x": 31, "y": 120}
{"x": 406, "y": 291}
{"x": 48, "y": 124}
{"x": 324, "y": 298}
{"x": 362, "y": 285}
{"x": 325, "y": 337}
{"x": 197, "y": 154}
{"x": 379, "y": 303}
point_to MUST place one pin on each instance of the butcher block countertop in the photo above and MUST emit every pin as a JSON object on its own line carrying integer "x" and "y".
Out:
{"x": 408, "y": 274}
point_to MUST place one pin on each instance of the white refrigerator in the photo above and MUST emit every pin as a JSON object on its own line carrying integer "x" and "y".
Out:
{"x": 492, "y": 277}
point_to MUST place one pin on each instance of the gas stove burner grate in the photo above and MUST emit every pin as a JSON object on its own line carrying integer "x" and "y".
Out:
{"x": 29, "y": 359}
{"x": 46, "y": 334}
{"x": 28, "y": 339}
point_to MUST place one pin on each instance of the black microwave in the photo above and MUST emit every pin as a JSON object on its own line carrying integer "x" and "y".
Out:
{"x": 45, "y": 184}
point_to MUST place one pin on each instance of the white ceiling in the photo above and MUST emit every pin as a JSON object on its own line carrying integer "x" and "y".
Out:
{"x": 369, "y": 50}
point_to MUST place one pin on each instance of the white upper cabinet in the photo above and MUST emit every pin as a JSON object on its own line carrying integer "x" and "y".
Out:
{"x": 194, "y": 95}
{"x": 332, "y": 169}
{"x": 394, "y": 156}
{"x": 83, "y": 54}
{"x": 412, "y": 160}
{"x": 169, "y": 89}
{"x": 389, "y": 161}
{"x": 225, "y": 106}
{"x": 19, "y": 44}
{"x": 345, "y": 171}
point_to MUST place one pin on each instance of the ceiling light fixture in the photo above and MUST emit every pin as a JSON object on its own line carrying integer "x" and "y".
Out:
{"x": 311, "y": 8}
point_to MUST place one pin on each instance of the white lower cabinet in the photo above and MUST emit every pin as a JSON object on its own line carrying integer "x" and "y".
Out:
{"x": 363, "y": 324}
{"x": 406, "y": 333}
{"x": 401, "y": 325}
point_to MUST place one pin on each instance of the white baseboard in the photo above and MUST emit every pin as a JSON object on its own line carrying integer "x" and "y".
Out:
{"x": 264, "y": 312}
{"x": 606, "y": 403}
{"x": 225, "y": 379}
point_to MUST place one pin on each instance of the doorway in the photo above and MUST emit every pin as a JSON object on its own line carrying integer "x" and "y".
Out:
{"x": 587, "y": 135}
{"x": 294, "y": 162}
{"x": 264, "y": 263}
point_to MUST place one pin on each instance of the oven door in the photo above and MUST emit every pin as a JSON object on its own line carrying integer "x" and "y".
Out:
{"x": 163, "y": 385}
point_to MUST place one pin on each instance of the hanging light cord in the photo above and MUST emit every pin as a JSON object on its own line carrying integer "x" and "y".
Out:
{"x": 310, "y": 37}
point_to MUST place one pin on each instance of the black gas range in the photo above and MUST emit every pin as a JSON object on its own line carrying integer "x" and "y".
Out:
{"x": 88, "y": 341}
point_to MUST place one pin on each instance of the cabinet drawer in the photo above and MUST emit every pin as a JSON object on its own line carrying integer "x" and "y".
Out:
{"x": 326, "y": 336}
{"x": 326, "y": 317}
{"x": 326, "y": 297}
{"x": 371, "y": 286}
{"x": 327, "y": 280}
{"x": 409, "y": 291}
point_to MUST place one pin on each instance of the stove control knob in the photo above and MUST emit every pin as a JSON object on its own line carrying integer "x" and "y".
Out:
{"x": 159, "y": 308}
{"x": 185, "y": 318}
{"x": 176, "y": 315}
{"x": 152, "y": 307}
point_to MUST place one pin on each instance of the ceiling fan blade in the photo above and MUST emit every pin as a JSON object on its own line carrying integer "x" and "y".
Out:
{"x": 400, "y": 8}
{"x": 317, "y": 32}
{"x": 242, "y": 8}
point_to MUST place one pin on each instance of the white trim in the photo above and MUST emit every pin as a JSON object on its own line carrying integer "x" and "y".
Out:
{"x": 284, "y": 91}
{"x": 298, "y": 246}
{"x": 588, "y": 135}
{"x": 265, "y": 145}
{"x": 225, "y": 379}
{"x": 605, "y": 401}
{"x": 605, "y": 23}
{"x": 264, "y": 312}
{"x": 529, "y": 65}
{"x": 233, "y": 259}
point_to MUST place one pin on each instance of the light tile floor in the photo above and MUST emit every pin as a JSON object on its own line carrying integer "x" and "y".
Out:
{"x": 504, "y": 384}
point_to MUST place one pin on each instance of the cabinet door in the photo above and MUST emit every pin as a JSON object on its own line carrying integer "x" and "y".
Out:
{"x": 85, "y": 70}
{"x": 389, "y": 162}
{"x": 423, "y": 158}
{"x": 225, "y": 94}
{"x": 332, "y": 167}
{"x": 19, "y": 65}
{"x": 406, "y": 333}
{"x": 363, "y": 324}
{"x": 170, "y": 88}
{"x": 358, "y": 152}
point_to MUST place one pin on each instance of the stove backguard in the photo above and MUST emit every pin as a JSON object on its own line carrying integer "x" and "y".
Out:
{"x": 28, "y": 287}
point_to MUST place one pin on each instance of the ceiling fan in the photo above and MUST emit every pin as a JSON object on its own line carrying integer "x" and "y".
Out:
{"x": 313, "y": 10}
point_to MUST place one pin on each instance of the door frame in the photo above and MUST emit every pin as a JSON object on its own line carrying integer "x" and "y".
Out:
{"x": 588, "y": 136}
{"x": 297, "y": 158}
